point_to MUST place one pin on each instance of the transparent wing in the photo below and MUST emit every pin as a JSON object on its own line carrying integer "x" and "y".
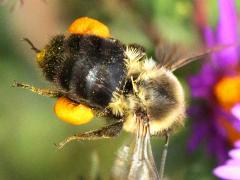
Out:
{"x": 136, "y": 161}
{"x": 142, "y": 165}
{"x": 173, "y": 56}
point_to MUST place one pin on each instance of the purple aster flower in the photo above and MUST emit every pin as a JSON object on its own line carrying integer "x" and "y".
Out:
{"x": 216, "y": 113}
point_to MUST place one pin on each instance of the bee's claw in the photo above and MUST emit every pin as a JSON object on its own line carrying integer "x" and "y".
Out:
{"x": 59, "y": 146}
{"x": 14, "y": 84}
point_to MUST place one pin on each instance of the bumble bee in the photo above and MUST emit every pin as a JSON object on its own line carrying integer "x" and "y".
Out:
{"x": 96, "y": 75}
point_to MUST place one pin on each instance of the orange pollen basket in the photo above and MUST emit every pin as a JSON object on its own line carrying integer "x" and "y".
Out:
{"x": 89, "y": 26}
{"x": 73, "y": 113}
{"x": 227, "y": 91}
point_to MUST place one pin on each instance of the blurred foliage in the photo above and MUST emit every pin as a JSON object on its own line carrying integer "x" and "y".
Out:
{"x": 28, "y": 127}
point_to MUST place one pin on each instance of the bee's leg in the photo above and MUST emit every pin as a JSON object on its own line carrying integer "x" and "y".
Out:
{"x": 43, "y": 92}
{"x": 105, "y": 132}
{"x": 164, "y": 155}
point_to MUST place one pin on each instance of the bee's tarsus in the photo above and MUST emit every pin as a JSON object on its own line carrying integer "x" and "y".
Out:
{"x": 31, "y": 44}
{"x": 21, "y": 85}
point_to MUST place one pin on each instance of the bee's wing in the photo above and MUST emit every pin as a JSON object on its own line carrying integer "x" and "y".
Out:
{"x": 136, "y": 161}
{"x": 172, "y": 56}
{"x": 142, "y": 164}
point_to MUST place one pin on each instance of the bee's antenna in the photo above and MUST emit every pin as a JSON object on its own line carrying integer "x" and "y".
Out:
{"x": 31, "y": 44}
{"x": 163, "y": 157}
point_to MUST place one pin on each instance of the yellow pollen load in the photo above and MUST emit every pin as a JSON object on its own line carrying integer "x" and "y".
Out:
{"x": 227, "y": 91}
{"x": 40, "y": 55}
{"x": 89, "y": 26}
{"x": 73, "y": 113}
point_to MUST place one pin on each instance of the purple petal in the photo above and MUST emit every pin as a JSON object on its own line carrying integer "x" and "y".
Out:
{"x": 237, "y": 144}
{"x": 236, "y": 111}
{"x": 227, "y": 33}
{"x": 210, "y": 41}
{"x": 233, "y": 162}
{"x": 201, "y": 84}
{"x": 199, "y": 132}
{"x": 209, "y": 36}
{"x": 227, "y": 172}
{"x": 217, "y": 143}
{"x": 199, "y": 126}
{"x": 235, "y": 154}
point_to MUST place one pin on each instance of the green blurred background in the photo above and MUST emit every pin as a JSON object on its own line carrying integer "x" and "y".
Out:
{"x": 28, "y": 126}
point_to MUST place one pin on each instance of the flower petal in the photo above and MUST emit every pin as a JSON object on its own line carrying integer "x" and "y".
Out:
{"x": 233, "y": 162}
{"x": 227, "y": 33}
{"x": 227, "y": 172}
{"x": 201, "y": 84}
{"x": 235, "y": 154}
{"x": 209, "y": 36}
{"x": 237, "y": 144}
{"x": 236, "y": 111}
{"x": 210, "y": 41}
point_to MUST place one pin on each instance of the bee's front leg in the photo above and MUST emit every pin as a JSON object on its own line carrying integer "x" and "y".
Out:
{"x": 40, "y": 91}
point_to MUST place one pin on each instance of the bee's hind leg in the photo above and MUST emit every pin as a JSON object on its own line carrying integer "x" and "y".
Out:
{"x": 105, "y": 132}
{"x": 43, "y": 92}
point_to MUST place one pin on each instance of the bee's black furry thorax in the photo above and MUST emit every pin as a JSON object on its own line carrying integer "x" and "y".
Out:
{"x": 88, "y": 68}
